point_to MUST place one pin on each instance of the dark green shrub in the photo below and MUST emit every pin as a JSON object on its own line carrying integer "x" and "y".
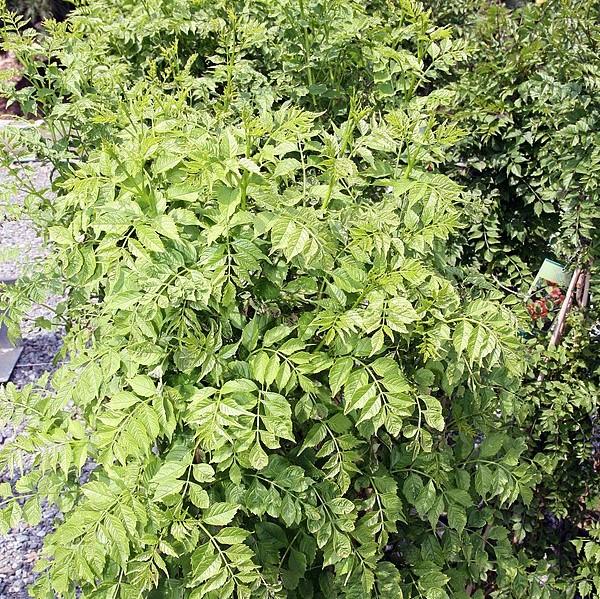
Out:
{"x": 268, "y": 357}
{"x": 529, "y": 98}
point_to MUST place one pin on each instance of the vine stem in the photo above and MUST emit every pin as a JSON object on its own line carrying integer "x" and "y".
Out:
{"x": 306, "y": 46}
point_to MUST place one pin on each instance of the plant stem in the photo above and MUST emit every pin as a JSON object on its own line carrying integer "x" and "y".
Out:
{"x": 306, "y": 48}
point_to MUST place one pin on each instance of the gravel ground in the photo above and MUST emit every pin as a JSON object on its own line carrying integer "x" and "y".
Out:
{"x": 19, "y": 247}
{"x": 19, "y": 244}
{"x": 20, "y": 547}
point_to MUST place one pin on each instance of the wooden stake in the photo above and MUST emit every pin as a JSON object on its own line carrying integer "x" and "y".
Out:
{"x": 564, "y": 310}
{"x": 585, "y": 296}
{"x": 562, "y": 315}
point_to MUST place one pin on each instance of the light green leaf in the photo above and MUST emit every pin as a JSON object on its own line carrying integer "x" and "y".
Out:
{"x": 122, "y": 400}
{"x": 339, "y": 373}
{"x": 257, "y": 457}
{"x": 232, "y": 535}
{"x": 220, "y": 514}
{"x": 457, "y": 517}
{"x": 198, "y": 496}
{"x": 143, "y": 385}
{"x": 149, "y": 238}
{"x": 276, "y": 334}
{"x": 491, "y": 445}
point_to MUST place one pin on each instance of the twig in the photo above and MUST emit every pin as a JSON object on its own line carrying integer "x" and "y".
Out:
{"x": 31, "y": 365}
{"x": 580, "y": 286}
{"x": 486, "y": 533}
{"x": 508, "y": 289}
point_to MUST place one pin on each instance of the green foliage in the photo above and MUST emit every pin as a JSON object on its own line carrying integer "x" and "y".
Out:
{"x": 562, "y": 411}
{"x": 560, "y": 416}
{"x": 268, "y": 359}
{"x": 287, "y": 386}
{"x": 529, "y": 98}
{"x": 588, "y": 580}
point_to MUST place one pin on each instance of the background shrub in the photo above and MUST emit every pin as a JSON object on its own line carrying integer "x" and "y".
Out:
{"x": 38, "y": 10}
{"x": 528, "y": 96}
